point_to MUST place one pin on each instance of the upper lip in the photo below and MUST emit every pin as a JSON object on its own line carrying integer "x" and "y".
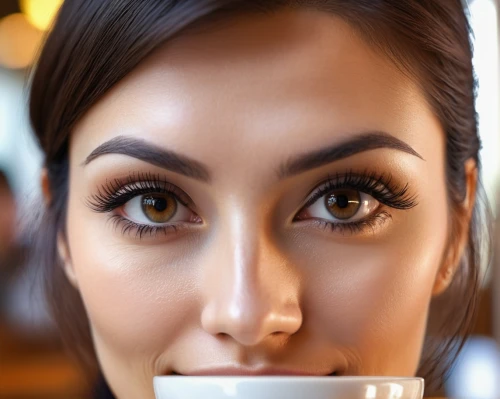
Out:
{"x": 240, "y": 371}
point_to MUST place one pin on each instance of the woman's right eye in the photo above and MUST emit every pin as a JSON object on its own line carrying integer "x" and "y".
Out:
{"x": 158, "y": 209}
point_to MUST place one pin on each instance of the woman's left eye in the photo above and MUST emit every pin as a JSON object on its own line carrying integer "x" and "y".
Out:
{"x": 341, "y": 206}
{"x": 157, "y": 209}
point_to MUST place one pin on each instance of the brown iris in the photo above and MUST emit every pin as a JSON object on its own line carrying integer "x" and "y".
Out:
{"x": 343, "y": 204}
{"x": 159, "y": 208}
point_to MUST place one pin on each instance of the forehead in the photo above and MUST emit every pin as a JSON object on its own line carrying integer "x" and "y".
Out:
{"x": 277, "y": 84}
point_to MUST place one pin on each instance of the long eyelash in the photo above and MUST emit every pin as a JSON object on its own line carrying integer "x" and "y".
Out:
{"x": 118, "y": 192}
{"x": 380, "y": 187}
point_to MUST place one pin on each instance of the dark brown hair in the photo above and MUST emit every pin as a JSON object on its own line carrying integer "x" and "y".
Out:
{"x": 95, "y": 43}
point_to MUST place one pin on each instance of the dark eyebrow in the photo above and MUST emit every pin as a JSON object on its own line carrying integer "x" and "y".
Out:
{"x": 147, "y": 152}
{"x": 364, "y": 142}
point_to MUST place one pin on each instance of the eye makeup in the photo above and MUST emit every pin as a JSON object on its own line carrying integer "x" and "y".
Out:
{"x": 116, "y": 194}
{"x": 380, "y": 188}
{"x": 381, "y": 191}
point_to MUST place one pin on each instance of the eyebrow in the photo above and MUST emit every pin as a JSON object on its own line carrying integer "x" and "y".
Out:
{"x": 177, "y": 163}
{"x": 364, "y": 142}
{"x": 150, "y": 153}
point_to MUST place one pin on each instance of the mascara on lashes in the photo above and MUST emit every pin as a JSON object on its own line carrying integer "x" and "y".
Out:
{"x": 117, "y": 193}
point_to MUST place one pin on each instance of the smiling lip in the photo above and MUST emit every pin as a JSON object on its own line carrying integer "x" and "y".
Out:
{"x": 250, "y": 372}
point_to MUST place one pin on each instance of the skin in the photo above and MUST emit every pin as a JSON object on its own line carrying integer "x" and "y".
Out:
{"x": 250, "y": 288}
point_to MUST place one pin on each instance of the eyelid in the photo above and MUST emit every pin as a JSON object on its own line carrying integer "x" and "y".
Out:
{"x": 118, "y": 192}
{"x": 372, "y": 222}
{"x": 381, "y": 187}
{"x": 129, "y": 227}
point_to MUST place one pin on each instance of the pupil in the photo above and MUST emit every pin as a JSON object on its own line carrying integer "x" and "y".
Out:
{"x": 342, "y": 201}
{"x": 160, "y": 204}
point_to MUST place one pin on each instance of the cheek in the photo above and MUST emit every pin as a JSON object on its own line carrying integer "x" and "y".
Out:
{"x": 137, "y": 297}
{"x": 373, "y": 297}
{"x": 377, "y": 288}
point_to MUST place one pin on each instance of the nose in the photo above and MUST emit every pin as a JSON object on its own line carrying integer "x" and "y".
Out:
{"x": 252, "y": 293}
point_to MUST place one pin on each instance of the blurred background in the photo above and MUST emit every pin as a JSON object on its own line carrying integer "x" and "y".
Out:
{"x": 32, "y": 361}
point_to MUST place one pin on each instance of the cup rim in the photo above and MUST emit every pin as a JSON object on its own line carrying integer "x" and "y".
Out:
{"x": 334, "y": 379}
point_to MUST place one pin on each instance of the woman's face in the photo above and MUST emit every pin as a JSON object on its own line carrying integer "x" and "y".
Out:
{"x": 264, "y": 197}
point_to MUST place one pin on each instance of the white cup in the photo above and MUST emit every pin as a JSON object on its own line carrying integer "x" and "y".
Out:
{"x": 287, "y": 387}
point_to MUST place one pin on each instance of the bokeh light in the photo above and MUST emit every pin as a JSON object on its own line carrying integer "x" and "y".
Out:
{"x": 19, "y": 41}
{"x": 40, "y": 12}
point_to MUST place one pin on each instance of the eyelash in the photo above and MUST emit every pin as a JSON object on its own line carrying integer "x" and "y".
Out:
{"x": 117, "y": 193}
{"x": 354, "y": 227}
{"x": 128, "y": 226}
{"x": 380, "y": 187}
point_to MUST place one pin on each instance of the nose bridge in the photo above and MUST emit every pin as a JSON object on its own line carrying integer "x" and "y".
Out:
{"x": 251, "y": 294}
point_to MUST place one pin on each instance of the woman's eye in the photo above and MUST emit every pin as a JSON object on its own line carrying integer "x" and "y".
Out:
{"x": 158, "y": 209}
{"x": 341, "y": 206}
